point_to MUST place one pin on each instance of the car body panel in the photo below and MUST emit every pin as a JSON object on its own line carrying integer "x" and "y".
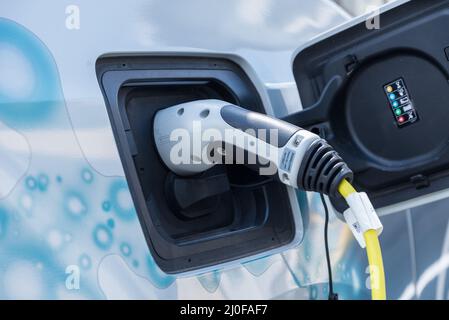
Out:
{"x": 68, "y": 227}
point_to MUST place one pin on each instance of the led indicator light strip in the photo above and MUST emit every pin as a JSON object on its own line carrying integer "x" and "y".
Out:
{"x": 400, "y": 102}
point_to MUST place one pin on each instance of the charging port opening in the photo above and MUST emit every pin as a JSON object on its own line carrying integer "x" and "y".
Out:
{"x": 245, "y": 217}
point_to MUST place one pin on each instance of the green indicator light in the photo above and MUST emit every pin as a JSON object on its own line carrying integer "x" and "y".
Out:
{"x": 398, "y": 112}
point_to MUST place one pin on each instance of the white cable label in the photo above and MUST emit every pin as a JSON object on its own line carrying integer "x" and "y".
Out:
{"x": 361, "y": 216}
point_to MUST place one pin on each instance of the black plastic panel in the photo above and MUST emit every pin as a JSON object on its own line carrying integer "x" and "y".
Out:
{"x": 240, "y": 221}
{"x": 343, "y": 79}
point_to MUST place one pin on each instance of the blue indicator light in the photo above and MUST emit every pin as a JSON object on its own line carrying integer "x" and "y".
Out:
{"x": 395, "y": 104}
{"x": 392, "y": 96}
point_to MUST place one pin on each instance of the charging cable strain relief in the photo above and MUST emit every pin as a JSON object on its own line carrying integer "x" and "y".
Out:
{"x": 322, "y": 169}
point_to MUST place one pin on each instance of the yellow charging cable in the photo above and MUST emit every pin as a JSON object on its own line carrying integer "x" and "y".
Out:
{"x": 376, "y": 266}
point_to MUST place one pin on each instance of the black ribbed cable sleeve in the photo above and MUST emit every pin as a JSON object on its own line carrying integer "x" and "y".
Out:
{"x": 322, "y": 169}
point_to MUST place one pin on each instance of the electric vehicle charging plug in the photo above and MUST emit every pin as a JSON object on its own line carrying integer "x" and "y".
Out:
{"x": 301, "y": 159}
{"x": 193, "y": 137}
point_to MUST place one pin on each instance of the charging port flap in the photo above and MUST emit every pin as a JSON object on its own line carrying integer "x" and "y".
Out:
{"x": 387, "y": 113}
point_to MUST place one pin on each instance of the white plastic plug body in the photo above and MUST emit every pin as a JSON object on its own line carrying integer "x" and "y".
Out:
{"x": 186, "y": 134}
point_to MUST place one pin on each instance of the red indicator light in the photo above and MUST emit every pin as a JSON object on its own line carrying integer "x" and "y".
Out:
{"x": 401, "y": 119}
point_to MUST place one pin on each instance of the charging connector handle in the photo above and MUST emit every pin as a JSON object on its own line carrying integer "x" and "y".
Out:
{"x": 193, "y": 137}
{"x": 363, "y": 220}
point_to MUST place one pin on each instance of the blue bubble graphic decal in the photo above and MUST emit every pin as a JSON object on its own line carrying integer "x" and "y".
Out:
{"x": 87, "y": 176}
{"x": 31, "y": 261}
{"x": 111, "y": 223}
{"x": 157, "y": 276}
{"x": 106, "y": 206}
{"x": 103, "y": 237}
{"x": 38, "y": 99}
{"x": 42, "y": 182}
{"x": 125, "y": 249}
{"x": 31, "y": 183}
{"x": 85, "y": 261}
{"x": 121, "y": 200}
{"x": 75, "y": 205}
